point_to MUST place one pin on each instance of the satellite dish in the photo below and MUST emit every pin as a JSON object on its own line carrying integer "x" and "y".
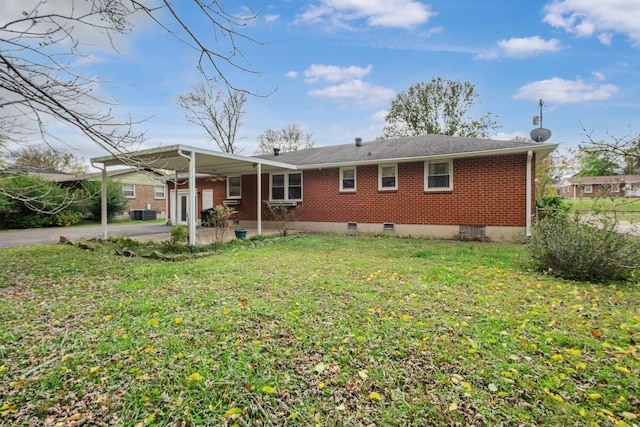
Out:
{"x": 540, "y": 134}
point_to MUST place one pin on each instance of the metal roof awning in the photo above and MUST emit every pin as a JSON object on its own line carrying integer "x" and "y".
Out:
{"x": 183, "y": 158}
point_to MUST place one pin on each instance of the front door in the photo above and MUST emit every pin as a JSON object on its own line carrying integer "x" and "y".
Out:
{"x": 184, "y": 207}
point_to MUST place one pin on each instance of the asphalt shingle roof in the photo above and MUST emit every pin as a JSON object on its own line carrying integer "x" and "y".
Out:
{"x": 399, "y": 148}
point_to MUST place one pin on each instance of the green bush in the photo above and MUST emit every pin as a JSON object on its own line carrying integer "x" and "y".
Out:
{"x": 584, "y": 248}
{"x": 116, "y": 202}
{"x": 179, "y": 234}
{"x": 66, "y": 218}
{"x": 551, "y": 205}
{"x": 33, "y": 202}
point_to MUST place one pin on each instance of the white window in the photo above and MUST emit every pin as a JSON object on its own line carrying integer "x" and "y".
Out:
{"x": 129, "y": 191}
{"x": 588, "y": 188}
{"x": 234, "y": 187}
{"x": 348, "y": 179}
{"x": 388, "y": 177}
{"x": 286, "y": 186}
{"x": 159, "y": 191}
{"x": 615, "y": 188}
{"x": 438, "y": 175}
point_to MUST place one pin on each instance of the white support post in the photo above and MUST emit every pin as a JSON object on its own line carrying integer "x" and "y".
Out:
{"x": 259, "y": 199}
{"x": 528, "y": 201}
{"x": 193, "y": 217}
{"x": 103, "y": 200}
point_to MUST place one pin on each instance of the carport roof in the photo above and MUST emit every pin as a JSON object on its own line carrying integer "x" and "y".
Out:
{"x": 206, "y": 161}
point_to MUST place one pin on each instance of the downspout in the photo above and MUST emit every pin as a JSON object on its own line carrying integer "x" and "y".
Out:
{"x": 103, "y": 200}
{"x": 192, "y": 196}
{"x": 528, "y": 199}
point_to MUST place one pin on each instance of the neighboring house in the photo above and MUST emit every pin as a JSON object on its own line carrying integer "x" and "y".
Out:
{"x": 46, "y": 173}
{"x": 432, "y": 185}
{"x": 145, "y": 191}
{"x": 599, "y": 186}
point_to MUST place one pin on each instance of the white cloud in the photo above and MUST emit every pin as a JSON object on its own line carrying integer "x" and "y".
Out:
{"x": 379, "y": 116}
{"x": 362, "y": 92}
{"x": 271, "y": 18}
{"x": 332, "y": 73}
{"x": 377, "y": 13}
{"x": 584, "y": 18}
{"x": 502, "y": 136}
{"x": 522, "y": 47}
{"x": 566, "y": 91}
{"x": 292, "y": 74}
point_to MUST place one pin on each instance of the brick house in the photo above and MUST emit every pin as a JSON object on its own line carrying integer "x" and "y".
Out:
{"x": 599, "y": 186}
{"x": 144, "y": 191}
{"x": 432, "y": 185}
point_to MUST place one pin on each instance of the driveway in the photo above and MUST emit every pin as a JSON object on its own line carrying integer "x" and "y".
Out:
{"x": 40, "y": 236}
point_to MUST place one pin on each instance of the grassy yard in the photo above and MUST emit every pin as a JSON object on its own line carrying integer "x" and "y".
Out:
{"x": 317, "y": 330}
{"x": 625, "y": 209}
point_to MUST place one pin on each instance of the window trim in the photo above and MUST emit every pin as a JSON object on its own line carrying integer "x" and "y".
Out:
{"x": 164, "y": 192}
{"x": 426, "y": 175}
{"x": 286, "y": 186}
{"x": 588, "y": 188}
{"x": 355, "y": 179}
{"x": 133, "y": 191}
{"x": 229, "y": 196}
{"x": 384, "y": 165}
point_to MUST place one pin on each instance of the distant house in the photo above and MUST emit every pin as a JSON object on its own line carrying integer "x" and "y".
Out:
{"x": 431, "y": 185}
{"x": 145, "y": 191}
{"x": 599, "y": 186}
{"x": 46, "y": 173}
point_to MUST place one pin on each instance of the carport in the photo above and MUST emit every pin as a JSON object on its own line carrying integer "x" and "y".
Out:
{"x": 191, "y": 160}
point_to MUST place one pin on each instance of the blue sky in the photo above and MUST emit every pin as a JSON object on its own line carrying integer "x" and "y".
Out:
{"x": 333, "y": 67}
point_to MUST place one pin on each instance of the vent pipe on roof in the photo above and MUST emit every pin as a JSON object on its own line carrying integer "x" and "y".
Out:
{"x": 358, "y": 142}
{"x": 276, "y": 151}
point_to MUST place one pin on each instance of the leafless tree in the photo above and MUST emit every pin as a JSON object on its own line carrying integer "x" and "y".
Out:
{"x": 289, "y": 138}
{"x": 39, "y": 84}
{"x": 41, "y": 43}
{"x": 219, "y": 114}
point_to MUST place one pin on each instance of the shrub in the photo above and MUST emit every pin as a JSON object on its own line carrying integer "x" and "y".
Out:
{"x": 584, "y": 248}
{"x": 179, "y": 234}
{"x": 33, "y": 202}
{"x": 220, "y": 219}
{"x": 283, "y": 216}
{"x": 551, "y": 205}
{"x": 116, "y": 202}
{"x": 66, "y": 218}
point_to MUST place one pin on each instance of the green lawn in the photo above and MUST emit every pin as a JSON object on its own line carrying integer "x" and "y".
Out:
{"x": 625, "y": 209}
{"x": 317, "y": 330}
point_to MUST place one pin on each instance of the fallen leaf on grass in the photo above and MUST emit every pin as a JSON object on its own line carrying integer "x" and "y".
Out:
{"x": 375, "y": 396}
{"x": 194, "y": 377}
{"x": 268, "y": 389}
{"x": 233, "y": 413}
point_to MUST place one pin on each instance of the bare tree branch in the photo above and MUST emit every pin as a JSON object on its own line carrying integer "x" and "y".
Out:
{"x": 219, "y": 114}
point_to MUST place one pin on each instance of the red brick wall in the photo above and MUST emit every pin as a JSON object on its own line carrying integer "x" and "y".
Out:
{"x": 487, "y": 191}
{"x": 146, "y": 194}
